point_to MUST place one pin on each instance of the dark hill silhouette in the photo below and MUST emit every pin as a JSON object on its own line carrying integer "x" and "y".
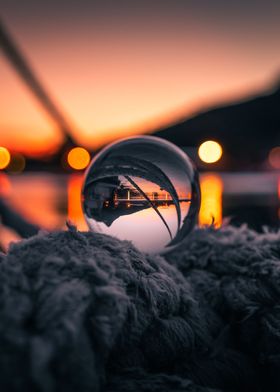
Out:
{"x": 247, "y": 130}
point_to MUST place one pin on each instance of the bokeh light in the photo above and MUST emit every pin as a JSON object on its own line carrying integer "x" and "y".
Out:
{"x": 211, "y": 200}
{"x": 274, "y": 158}
{"x": 210, "y": 151}
{"x": 5, "y": 157}
{"x": 75, "y": 213}
{"x": 78, "y": 158}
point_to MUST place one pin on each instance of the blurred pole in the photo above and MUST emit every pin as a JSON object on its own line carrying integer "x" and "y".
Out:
{"x": 23, "y": 68}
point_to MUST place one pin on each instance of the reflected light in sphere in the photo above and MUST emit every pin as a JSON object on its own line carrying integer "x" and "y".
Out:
{"x": 5, "y": 157}
{"x": 78, "y": 158}
{"x": 274, "y": 158}
{"x": 210, "y": 151}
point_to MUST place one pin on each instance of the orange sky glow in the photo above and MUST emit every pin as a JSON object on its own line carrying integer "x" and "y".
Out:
{"x": 117, "y": 82}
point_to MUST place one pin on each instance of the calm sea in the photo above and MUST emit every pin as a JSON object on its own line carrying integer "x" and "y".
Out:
{"x": 49, "y": 199}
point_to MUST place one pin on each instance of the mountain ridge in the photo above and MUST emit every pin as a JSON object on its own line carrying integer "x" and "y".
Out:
{"x": 247, "y": 129}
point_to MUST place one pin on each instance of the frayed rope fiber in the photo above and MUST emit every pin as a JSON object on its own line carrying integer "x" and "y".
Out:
{"x": 87, "y": 312}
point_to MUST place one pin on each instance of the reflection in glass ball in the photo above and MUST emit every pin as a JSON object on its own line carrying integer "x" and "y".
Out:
{"x": 142, "y": 189}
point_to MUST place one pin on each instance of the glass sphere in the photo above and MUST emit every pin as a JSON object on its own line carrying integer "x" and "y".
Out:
{"x": 142, "y": 189}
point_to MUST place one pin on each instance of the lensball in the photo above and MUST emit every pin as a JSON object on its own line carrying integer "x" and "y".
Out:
{"x": 142, "y": 189}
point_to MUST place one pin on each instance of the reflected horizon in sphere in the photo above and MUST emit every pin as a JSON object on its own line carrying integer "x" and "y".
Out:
{"x": 144, "y": 190}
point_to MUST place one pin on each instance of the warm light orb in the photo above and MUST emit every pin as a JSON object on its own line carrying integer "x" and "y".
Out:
{"x": 210, "y": 151}
{"x": 78, "y": 158}
{"x": 5, "y": 157}
{"x": 274, "y": 158}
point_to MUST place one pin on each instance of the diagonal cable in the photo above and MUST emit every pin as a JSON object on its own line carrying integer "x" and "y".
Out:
{"x": 150, "y": 202}
{"x": 25, "y": 71}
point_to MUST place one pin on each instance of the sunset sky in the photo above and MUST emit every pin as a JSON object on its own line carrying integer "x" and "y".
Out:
{"x": 126, "y": 67}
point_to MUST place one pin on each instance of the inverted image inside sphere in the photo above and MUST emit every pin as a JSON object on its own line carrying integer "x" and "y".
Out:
{"x": 142, "y": 189}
